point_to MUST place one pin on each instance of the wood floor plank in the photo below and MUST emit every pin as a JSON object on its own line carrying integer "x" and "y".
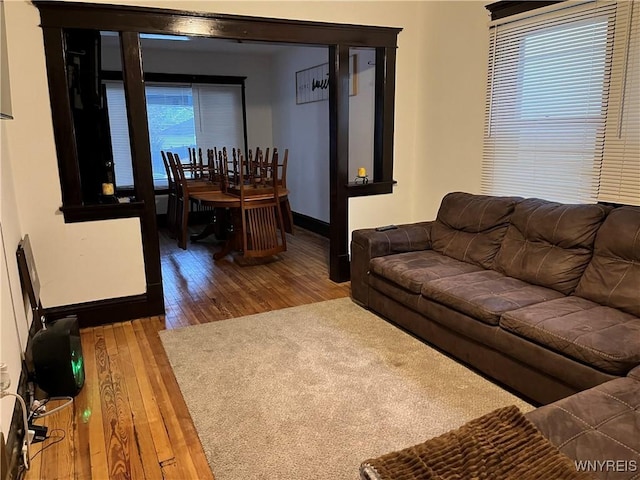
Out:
{"x": 82, "y": 452}
{"x": 131, "y": 409}
{"x": 151, "y": 327}
{"x": 66, "y": 464}
{"x": 164, "y": 450}
{"x": 92, "y": 413}
{"x": 142, "y": 434}
{"x": 117, "y": 440}
{"x": 49, "y": 468}
{"x": 127, "y": 448}
{"x": 60, "y": 424}
{"x": 184, "y": 462}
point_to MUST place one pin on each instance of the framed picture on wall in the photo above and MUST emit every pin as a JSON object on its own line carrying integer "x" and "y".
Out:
{"x": 312, "y": 84}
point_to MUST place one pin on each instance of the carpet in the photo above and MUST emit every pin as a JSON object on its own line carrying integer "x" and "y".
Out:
{"x": 312, "y": 391}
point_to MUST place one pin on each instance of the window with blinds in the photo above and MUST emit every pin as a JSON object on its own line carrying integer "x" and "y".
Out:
{"x": 620, "y": 175}
{"x": 562, "y": 104}
{"x": 179, "y": 117}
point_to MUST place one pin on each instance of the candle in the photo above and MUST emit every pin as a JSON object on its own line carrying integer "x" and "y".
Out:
{"x": 107, "y": 189}
{"x": 362, "y": 172}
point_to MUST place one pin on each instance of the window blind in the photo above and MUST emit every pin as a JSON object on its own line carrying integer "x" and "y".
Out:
{"x": 547, "y": 99}
{"x": 179, "y": 116}
{"x": 620, "y": 176}
{"x": 219, "y": 121}
{"x": 119, "y": 128}
{"x": 170, "y": 115}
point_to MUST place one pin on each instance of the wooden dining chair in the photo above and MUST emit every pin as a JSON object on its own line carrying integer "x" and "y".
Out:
{"x": 196, "y": 169}
{"x": 172, "y": 197}
{"x": 262, "y": 169}
{"x": 213, "y": 172}
{"x": 262, "y": 232}
{"x": 184, "y": 189}
{"x": 229, "y": 167}
{"x": 280, "y": 175}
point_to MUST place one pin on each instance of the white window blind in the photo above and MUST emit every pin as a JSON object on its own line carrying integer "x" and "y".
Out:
{"x": 170, "y": 115}
{"x": 179, "y": 116}
{"x": 620, "y": 176}
{"x": 548, "y": 101}
{"x": 119, "y": 128}
{"x": 219, "y": 118}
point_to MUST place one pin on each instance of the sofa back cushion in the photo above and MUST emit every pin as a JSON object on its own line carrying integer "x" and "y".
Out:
{"x": 613, "y": 275}
{"x": 549, "y": 243}
{"x": 470, "y": 227}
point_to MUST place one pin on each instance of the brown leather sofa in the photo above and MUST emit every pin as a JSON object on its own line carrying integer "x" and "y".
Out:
{"x": 598, "y": 428}
{"x": 543, "y": 297}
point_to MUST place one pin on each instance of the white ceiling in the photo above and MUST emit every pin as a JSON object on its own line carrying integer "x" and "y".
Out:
{"x": 203, "y": 44}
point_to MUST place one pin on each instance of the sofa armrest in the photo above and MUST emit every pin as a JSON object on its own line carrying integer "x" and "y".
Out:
{"x": 634, "y": 373}
{"x": 368, "y": 243}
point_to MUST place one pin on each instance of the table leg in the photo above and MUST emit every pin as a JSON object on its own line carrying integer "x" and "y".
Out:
{"x": 234, "y": 238}
{"x": 217, "y": 226}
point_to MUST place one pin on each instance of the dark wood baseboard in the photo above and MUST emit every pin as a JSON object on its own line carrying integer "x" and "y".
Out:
{"x": 111, "y": 310}
{"x": 312, "y": 224}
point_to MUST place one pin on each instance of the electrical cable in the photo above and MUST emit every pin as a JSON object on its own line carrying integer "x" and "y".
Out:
{"x": 57, "y": 409}
{"x": 59, "y": 439}
{"x": 27, "y": 453}
{"x": 36, "y": 406}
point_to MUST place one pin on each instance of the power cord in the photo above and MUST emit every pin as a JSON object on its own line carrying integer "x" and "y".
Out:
{"x": 58, "y": 440}
{"x": 26, "y": 451}
{"x": 38, "y": 406}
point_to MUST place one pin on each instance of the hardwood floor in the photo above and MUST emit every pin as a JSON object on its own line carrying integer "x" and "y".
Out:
{"x": 130, "y": 420}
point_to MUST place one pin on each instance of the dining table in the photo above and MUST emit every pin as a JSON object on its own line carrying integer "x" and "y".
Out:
{"x": 220, "y": 200}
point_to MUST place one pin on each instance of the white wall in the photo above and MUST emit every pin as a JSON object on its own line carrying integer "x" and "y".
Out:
{"x": 453, "y": 75}
{"x": 76, "y": 262}
{"x": 304, "y": 128}
{"x": 13, "y": 322}
{"x": 447, "y": 98}
{"x": 438, "y": 128}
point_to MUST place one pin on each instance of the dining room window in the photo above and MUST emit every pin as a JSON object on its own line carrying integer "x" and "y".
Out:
{"x": 179, "y": 116}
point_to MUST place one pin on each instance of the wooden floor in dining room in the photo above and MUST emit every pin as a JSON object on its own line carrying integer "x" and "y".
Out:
{"x": 130, "y": 420}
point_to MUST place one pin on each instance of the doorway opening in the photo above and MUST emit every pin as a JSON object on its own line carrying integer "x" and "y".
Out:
{"x": 131, "y": 23}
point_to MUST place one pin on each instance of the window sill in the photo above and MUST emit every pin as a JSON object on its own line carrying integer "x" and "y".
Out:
{"x": 90, "y": 213}
{"x": 371, "y": 188}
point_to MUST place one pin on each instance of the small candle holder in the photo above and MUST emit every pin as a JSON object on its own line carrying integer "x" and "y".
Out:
{"x": 362, "y": 176}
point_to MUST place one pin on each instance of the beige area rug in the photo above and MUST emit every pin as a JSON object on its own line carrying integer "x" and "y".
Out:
{"x": 310, "y": 392}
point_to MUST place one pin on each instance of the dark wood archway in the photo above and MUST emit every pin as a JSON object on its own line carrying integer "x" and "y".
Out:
{"x": 130, "y": 22}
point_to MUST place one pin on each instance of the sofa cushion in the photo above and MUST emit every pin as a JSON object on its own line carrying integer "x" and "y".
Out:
{"x": 410, "y": 270}
{"x": 550, "y": 244}
{"x": 485, "y": 295}
{"x": 470, "y": 227}
{"x": 613, "y": 275}
{"x": 600, "y": 336}
{"x": 597, "y": 425}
